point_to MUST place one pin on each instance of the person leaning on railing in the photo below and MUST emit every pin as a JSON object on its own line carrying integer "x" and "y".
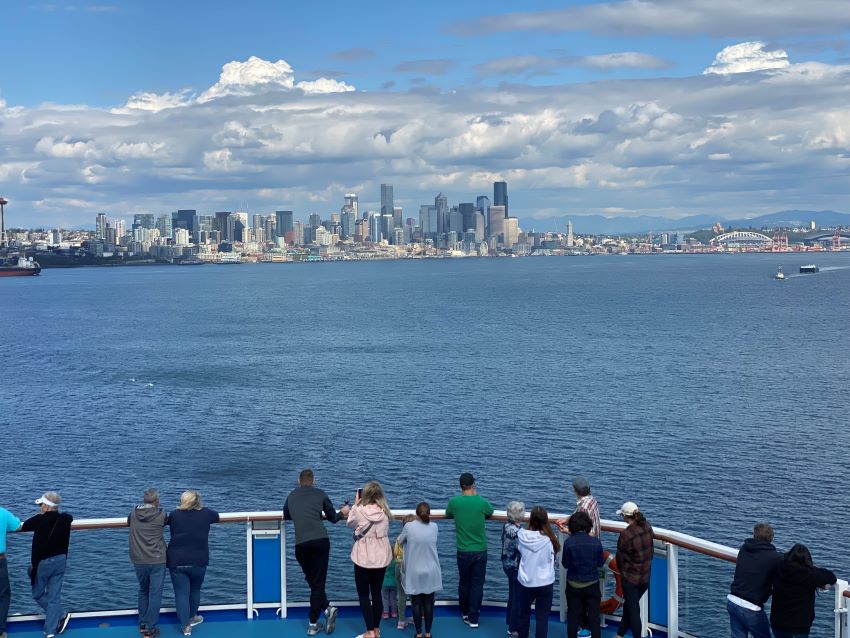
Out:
{"x": 188, "y": 555}
{"x": 582, "y": 559}
{"x": 755, "y": 570}
{"x": 147, "y": 553}
{"x": 634, "y": 558}
{"x": 792, "y": 611}
{"x": 8, "y": 523}
{"x": 510, "y": 563}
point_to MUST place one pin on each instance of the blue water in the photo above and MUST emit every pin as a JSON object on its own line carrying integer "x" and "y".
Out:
{"x": 696, "y": 386}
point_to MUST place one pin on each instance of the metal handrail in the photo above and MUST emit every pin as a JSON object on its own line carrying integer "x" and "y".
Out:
{"x": 685, "y": 541}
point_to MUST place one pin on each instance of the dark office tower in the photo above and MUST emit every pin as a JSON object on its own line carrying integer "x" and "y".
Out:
{"x": 398, "y": 217}
{"x": 441, "y": 203}
{"x": 284, "y": 222}
{"x": 387, "y": 199}
{"x": 315, "y": 220}
{"x": 500, "y": 195}
{"x": 185, "y": 219}
{"x": 467, "y": 212}
{"x": 220, "y": 222}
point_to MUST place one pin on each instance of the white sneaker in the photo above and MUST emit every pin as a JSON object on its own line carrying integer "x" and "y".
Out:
{"x": 330, "y": 619}
{"x": 195, "y": 620}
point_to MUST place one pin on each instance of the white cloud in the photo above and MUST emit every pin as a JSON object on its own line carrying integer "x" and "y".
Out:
{"x": 256, "y": 75}
{"x": 747, "y": 57}
{"x": 147, "y": 101}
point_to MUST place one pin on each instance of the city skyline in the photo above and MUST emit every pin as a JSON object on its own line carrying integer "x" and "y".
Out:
{"x": 598, "y": 109}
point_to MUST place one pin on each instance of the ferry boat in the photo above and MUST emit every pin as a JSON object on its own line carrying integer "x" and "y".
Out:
{"x": 266, "y": 611}
{"x": 19, "y": 267}
{"x": 809, "y": 268}
{"x": 779, "y": 274}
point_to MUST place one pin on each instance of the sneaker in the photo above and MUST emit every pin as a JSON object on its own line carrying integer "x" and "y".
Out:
{"x": 330, "y": 619}
{"x": 472, "y": 625}
{"x": 195, "y": 620}
{"x": 394, "y": 614}
{"x": 187, "y": 630}
{"x": 401, "y": 625}
{"x": 49, "y": 635}
{"x": 63, "y": 624}
{"x": 313, "y": 628}
{"x": 385, "y": 615}
{"x": 465, "y": 619}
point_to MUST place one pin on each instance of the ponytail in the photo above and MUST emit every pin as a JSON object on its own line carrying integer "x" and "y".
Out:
{"x": 423, "y": 511}
{"x": 538, "y": 521}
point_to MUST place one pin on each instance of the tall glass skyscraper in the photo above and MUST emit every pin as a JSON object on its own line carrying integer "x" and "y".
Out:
{"x": 500, "y": 195}
{"x": 387, "y": 204}
{"x": 283, "y": 222}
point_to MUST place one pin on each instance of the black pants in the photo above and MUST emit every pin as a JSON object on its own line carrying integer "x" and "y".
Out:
{"x": 631, "y": 609}
{"x": 583, "y": 606}
{"x": 423, "y": 607}
{"x": 369, "y": 582}
{"x": 313, "y": 557}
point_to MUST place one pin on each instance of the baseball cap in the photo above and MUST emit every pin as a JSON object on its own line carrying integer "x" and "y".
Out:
{"x": 580, "y": 483}
{"x": 628, "y": 509}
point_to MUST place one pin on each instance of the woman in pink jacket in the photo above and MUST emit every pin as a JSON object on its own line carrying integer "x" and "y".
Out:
{"x": 370, "y": 519}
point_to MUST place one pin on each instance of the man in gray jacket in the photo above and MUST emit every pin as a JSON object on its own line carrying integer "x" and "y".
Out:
{"x": 304, "y": 507}
{"x": 147, "y": 552}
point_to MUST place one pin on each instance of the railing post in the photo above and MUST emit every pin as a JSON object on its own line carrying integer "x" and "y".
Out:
{"x": 644, "y": 613}
{"x": 249, "y": 568}
{"x": 672, "y": 590}
{"x": 562, "y": 581}
{"x": 841, "y": 586}
{"x": 283, "y": 569}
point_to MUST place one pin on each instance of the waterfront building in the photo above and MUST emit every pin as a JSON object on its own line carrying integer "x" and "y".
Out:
{"x": 500, "y": 195}
{"x": 284, "y": 222}
{"x": 398, "y": 217}
{"x": 100, "y": 224}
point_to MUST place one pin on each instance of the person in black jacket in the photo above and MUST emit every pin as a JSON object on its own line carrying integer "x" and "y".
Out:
{"x": 582, "y": 557}
{"x": 751, "y": 587}
{"x": 797, "y": 580}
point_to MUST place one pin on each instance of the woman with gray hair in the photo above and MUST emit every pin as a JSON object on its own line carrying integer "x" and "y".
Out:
{"x": 510, "y": 562}
{"x": 188, "y": 555}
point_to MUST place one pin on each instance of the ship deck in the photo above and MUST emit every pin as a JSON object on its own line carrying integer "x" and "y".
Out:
{"x": 227, "y": 624}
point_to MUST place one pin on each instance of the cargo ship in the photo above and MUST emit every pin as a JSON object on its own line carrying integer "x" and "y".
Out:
{"x": 809, "y": 268}
{"x": 18, "y": 267}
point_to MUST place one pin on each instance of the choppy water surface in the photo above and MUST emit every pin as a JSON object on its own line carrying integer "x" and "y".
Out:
{"x": 697, "y": 386}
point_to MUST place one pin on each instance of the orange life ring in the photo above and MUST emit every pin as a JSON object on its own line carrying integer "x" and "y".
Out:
{"x": 615, "y": 602}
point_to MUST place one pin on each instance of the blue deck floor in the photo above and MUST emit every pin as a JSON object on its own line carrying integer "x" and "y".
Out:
{"x": 230, "y": 624}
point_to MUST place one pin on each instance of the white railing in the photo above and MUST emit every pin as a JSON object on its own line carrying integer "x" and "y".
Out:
{"x": 268, "y": 526}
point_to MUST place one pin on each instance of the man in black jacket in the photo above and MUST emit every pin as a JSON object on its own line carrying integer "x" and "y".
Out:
{"x": 757, "y": 563}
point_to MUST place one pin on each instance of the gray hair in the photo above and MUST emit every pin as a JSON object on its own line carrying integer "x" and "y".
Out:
{"x": 53, "y": 497}
{"x": 516, "y": 511}
{"x": 151, "y": 496}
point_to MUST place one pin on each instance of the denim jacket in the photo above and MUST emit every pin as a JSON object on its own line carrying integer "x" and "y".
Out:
{"x": 510, "y": 550}
{"x": 582, "y": 557}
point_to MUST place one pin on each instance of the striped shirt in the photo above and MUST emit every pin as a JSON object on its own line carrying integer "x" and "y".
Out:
{"x": 589, "y": 506}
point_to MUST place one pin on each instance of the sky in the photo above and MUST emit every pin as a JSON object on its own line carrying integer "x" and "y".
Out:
{"x": 732, "y": 108}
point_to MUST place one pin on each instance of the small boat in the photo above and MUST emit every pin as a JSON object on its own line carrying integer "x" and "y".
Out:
{"x": 779, "y": 274}
{"x": 809, "y": 268}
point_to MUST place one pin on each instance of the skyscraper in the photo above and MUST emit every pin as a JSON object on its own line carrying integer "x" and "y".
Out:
{"x": 482, "y": 203}
{"x": 143, "y": 220}
{"x": 100, "y": 224}
{"x": 185, "y": 219}
{"x": 467, "y": 211}
{"x": 570, "y": 240}
{"x": 351, "y": 204}
{"x": 163, "y": 224}
{"x": 284, "y": 222}
{"x": 387, "y": 204}
{"x": 398, "y": 217}
{"x": 500, "y": 195}
{"x": 441, "y": 203}
{"x": 496, "y": 222}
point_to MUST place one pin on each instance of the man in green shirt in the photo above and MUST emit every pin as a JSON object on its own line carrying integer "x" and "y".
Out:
{"x": 469, "y": 510}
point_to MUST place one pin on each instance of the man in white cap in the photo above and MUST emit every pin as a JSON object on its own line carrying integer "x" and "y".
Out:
{"x": 51, "y": 536}
{"x": 8, "y": 523}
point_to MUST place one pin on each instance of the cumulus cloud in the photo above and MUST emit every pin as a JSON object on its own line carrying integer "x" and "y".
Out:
{"x": 747, "y": 57}
{"x": 256, "y": 75}
{"x": 725, "y": 18}
{"x": 147, "y": 101}
{"x": 709, "y": 143}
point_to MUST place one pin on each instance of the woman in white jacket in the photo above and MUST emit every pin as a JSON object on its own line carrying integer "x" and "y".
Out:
{"x": 538, "y": 547}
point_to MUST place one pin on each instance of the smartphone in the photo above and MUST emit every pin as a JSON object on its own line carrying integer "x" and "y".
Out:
{"x": 359, "y": 493}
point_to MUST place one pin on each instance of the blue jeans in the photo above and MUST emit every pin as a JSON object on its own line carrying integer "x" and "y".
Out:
{"x": 471, "y": 568}
{"x": 5, "y": 594}
{"x": 542, "y": 599}
{"x": 151, "y": 578}
{"x": 187, "y": 581}
{"x": 743, "y": 621}
{"x": 47, "y": 590}
{"x": 778, "y": 633}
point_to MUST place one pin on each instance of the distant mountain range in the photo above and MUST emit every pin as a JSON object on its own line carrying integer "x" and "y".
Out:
{"x": 598, "y": 224}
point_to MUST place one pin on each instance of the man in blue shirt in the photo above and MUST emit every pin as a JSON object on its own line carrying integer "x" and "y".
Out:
{"x": 8, "y": 523}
